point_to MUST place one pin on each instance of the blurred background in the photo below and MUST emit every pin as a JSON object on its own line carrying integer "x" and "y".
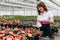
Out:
{"x": 24, "y": 12}
{"x": 27, "y": 7}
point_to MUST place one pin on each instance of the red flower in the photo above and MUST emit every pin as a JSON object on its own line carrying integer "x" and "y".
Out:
{"x": 21, "y": 37}
{"x": 4, "y": 38}
{"x": 29, "y": 30}
{"x": 37, "y": 32}
{"x": 29, "y": 35}
{"x": 16, "y": 29}
{"x": 8, "y": 38}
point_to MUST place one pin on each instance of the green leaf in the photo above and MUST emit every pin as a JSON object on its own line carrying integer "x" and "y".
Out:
{"x": 37, "y": 0}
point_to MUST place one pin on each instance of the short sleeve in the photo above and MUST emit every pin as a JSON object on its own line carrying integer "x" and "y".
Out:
{"x": 50, "y": 14}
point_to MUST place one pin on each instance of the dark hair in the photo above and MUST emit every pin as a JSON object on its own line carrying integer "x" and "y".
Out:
{"x": 41, "y": 4}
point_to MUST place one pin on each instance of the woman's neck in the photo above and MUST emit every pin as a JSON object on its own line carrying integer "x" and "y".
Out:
{"x": 43, "y": 12}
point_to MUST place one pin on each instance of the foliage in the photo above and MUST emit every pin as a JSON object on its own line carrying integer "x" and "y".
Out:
{"x": 37, "y": 0}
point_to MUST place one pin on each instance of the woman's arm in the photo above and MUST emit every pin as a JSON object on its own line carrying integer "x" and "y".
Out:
{"x": 51, "y": 20}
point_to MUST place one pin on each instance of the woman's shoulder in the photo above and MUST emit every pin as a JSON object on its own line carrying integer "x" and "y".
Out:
{"x": 50, "y": 13}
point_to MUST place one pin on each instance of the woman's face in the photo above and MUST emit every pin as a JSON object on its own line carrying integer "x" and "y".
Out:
{"x": 41, "y": 9}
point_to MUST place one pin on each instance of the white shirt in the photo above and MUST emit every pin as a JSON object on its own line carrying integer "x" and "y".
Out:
{"x": 45, "y": 16}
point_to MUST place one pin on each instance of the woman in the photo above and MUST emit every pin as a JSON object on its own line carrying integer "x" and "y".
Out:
{"x": 45, "y": 18}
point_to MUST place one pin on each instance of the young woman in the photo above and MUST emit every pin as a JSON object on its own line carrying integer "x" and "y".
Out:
{"x": 45, "y": 18}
